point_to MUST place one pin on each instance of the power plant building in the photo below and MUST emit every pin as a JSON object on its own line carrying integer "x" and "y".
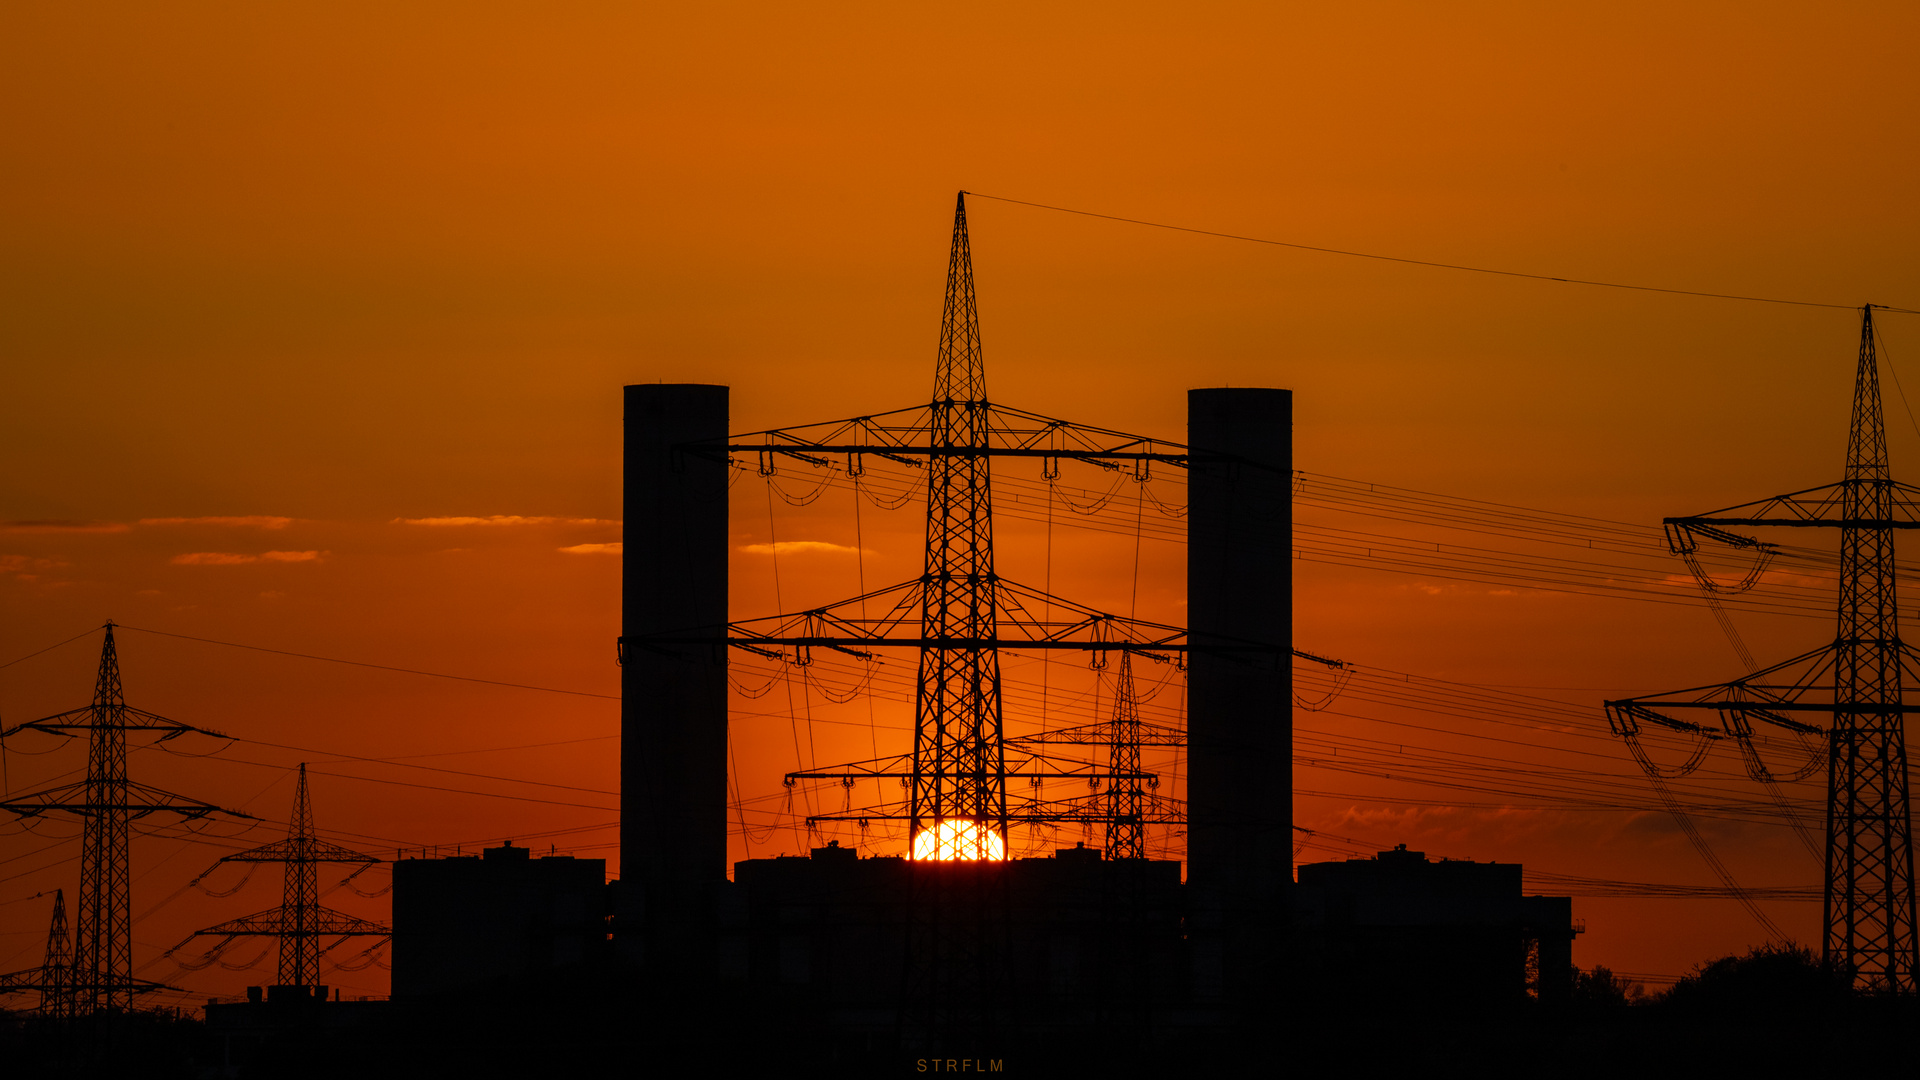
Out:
{"x": 466, "y": 921}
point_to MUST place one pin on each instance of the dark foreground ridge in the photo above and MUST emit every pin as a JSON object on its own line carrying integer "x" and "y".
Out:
{"x": 1774, "y": 1011}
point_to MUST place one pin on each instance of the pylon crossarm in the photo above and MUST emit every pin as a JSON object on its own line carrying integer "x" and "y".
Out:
{"x": 1823, "y": 507}
{"x": 766, "y": 646}
{"x": 835, "y": 623}
{"x": 277, "y": 922}
{"x": 905, "y": 435}
{"x": 1625, "y": 718}
{"x": 1753, "y": 708}
{"x": 1090, "y": 772}
{"x": 1035, "y": 764}
{"x": 1064, "y": 438}
{"x": 872, "y": 769}
{"x": 127, "y": 719}
{"x": 1758, "y": 696}
{"x": 65, "y": 731}
{"x": 835, "y": 626}
{"x": 1093, "y": 624}
{"x": 312, "y": 850}
{"x": 348, "y": 935}
{"x": 260, "y": 922}
{"x": 1098, "y": 733}
{"x": 1769, "y": 716}
{"x": 1819, "y": 662}
{"x": 879, "y": 433}
{"x": 1095, "y": 807}
{"x": 30, "y": 979}
{"x": 1682, "y": 534}
{"x": 1090, "y": 808}
{"x": 1032, "y": 764}
{"x": 126, "y": 985}
{"x": 1092, "y": 631}
{"x": 329, "y": 921}
{"x": 141, "y": 800}
{"x": 1301, "y": 654}
{"x": 839, "y": 619}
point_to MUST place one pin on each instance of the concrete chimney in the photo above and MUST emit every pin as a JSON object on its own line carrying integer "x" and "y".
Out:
{"x": 673, "y": 708}
{"x": 1239, "y": 682}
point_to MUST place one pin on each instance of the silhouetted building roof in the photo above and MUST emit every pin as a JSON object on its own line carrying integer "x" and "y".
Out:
{"x": 1400, "y": 926}
{"x": 472, "y": 919}
{"x": 1064, "y": 940}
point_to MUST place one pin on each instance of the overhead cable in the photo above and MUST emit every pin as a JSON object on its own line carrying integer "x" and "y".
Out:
{"x": 1438, "y": 265}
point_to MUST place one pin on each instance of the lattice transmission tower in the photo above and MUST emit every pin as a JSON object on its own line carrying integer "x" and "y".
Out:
{"x": 1126, "y": 799}
{"x": 959, "y": 758}
{"x": 959, "y": 612}
{"x": 107, "y": 803}
{"x": 53, "y": 979}
{"x": 301, "y": 921}
{"x": 1859, "y": 680}
{"x": 957, "y": 806}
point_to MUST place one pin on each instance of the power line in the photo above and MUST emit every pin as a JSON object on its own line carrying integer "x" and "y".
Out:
{"x": 377, "y": 667}
{"x": 431, "y": 768}
{"x": 435, "y": 787}
{"x": 18, "y": 659}
{"x": 1437, "y": 265}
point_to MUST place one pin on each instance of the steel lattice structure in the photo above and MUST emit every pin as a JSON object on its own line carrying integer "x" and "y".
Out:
{"x": 959, "y": 758}
{"x": 1126, "y": 797}
{"x": 960, "y": 612}
{"x": 107, "y": 803}
{"x": 1860, "y": 680}
{"x": 53, "y": 979}
{"x": 301, "y": 920}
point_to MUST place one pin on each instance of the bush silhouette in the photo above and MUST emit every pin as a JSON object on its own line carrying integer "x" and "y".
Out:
{"x": 1767, "y": 980}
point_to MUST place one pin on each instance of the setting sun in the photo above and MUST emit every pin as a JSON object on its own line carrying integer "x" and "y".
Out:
{"x": 959, "y": 840}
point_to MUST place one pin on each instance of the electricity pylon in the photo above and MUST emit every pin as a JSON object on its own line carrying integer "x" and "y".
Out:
{"x": 54, "y": 977}
{"x": 1859, "y": 680}
{"x": 959, "y": 758}
{"x": 107, "y": 803}
{"x": 959, "y": 612}
{"x": 1126, "y": 801}
{"x": 301, "y": 920}
{"x": 963, "y": 610}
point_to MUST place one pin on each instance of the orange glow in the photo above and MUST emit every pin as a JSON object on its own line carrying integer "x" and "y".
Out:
{"x": 386, "y": 319}
{"x": 959, "y": 841}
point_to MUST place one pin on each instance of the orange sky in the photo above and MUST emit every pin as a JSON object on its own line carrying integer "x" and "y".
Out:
{"x": 358, "y": 268}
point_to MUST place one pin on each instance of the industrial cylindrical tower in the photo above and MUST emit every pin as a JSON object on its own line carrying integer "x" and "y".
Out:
{"x": 673, "y": 707}
{"x": 1239, "y": 683}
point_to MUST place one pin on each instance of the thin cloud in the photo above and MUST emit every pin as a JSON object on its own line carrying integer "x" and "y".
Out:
{"x": 227, "y": 558}
{"x": 498, "y": 519}
{"x": 798, "y": 547}
{"x": 594, "y": 549}
{"x": 64, "y": 526}
{"x": 23, "y": 564}
{"x": 255, "y": 521}
{"x": 213, "y": 558}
